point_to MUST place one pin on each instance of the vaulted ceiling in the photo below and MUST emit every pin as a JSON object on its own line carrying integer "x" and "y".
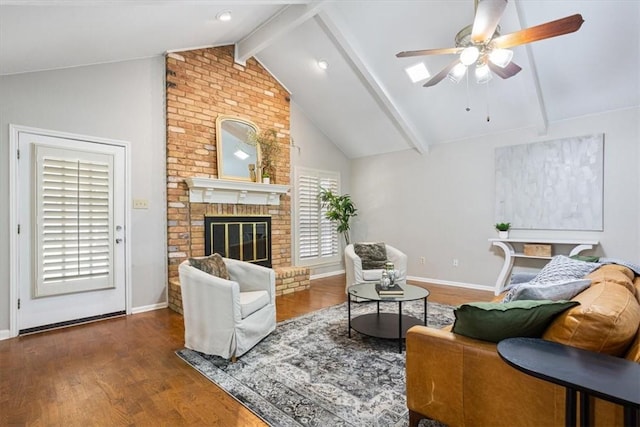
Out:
{"x": 364, "y": 101}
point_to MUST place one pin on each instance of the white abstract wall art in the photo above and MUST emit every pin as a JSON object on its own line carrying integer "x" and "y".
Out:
{"x": 551, "y": 185}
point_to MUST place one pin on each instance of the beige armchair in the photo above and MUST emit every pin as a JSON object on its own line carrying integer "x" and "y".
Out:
{"x": 227, "y": 317}
{"x": 355, "y": 273}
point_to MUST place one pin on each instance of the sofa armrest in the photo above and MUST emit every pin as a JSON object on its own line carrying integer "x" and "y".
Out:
{"x": 434, "y": 369}
{"x": 462, "y": 381}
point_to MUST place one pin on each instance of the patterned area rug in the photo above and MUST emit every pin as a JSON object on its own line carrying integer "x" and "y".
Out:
{"x": 310, "y": 373}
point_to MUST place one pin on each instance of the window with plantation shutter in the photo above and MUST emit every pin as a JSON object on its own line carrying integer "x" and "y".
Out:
{"x": 73, "y": 221}
{"x": 317, "y": 237}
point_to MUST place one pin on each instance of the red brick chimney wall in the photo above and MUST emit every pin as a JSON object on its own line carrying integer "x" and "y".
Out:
{"x": 202, "y": 84}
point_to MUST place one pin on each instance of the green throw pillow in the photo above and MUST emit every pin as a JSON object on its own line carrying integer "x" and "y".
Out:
{"x": 493, "y": 321}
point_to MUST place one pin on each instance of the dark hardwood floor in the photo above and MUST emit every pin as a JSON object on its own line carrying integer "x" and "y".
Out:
{"x": 123, "y": 371}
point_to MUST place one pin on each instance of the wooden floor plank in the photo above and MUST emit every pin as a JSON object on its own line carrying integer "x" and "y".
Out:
{"x": 123, "y": 371}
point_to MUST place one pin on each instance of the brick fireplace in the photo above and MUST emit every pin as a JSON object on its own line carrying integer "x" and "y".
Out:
{"x": 201, "y": 85}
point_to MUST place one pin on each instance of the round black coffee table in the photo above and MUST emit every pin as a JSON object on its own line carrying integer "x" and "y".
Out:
{"x": 386, "y": 325}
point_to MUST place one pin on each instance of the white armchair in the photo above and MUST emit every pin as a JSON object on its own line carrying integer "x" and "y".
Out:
{"x": 227, "y": 317}
{"x": 355, "y": 273}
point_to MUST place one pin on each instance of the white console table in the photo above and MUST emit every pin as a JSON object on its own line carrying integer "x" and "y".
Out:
{"x": 510, "y": 253}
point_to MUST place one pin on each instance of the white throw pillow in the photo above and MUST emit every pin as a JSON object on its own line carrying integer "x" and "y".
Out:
{"x": 563, "y": 268}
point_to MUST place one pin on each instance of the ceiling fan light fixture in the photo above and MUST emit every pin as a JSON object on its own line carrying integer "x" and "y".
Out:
{"x": 469, "y": 55}
{"x": 501, "y": 57}
{"x": 483, "y": 73}
{"x": 457, "y": 72}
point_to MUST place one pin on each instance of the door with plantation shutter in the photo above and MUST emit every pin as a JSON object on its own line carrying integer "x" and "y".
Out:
{"x": 72, "y": 231}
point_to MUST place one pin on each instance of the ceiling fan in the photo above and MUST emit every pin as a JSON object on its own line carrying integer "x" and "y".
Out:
{"x": 483, "y": 45}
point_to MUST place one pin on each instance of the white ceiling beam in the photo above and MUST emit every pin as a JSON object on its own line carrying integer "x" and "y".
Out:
{"x": 541, "y": 120}
{"x": 281, "y": 23}
{"x": 345, "y": 44}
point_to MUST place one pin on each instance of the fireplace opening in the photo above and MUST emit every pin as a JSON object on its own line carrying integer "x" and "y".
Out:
{"x": 246, "y": 238}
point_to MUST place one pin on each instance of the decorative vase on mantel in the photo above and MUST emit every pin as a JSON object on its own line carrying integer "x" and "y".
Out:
{"x": 503, "y": 234}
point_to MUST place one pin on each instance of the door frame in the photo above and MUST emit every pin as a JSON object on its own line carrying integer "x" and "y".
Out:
{"x": 14, "y": 266}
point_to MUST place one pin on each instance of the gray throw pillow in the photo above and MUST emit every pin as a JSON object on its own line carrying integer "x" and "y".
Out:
{"x": 553, "y": 291}
{"x": 562, "y": 268}
{"x": 373, "y": 255}
{"x": 213, "y": 264}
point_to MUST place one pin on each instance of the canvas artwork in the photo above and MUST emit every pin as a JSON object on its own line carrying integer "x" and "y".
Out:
{"x": 551, "y": 185}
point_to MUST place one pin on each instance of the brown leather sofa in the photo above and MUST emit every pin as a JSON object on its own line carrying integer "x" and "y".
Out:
{"x": 462, "y": 381}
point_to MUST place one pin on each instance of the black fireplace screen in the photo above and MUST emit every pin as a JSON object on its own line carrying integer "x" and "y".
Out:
{"x": 247, "y": 238}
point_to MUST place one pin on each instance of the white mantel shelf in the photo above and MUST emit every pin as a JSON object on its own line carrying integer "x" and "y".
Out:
{"x": 210, "y": 190}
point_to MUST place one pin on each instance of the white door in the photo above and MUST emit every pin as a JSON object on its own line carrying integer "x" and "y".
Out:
{"x": 71, "y": 211}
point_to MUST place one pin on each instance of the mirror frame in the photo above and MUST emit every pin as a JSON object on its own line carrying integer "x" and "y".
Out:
{"x": 220, "y": 148}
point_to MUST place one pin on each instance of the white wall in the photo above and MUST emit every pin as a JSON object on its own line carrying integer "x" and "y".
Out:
{"x": 440, "y": 205}
{"x": 123, "y": 101}
{"x": 312, "y": 149}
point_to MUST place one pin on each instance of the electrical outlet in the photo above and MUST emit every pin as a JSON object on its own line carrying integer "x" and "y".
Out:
{"x": 456, "y": 262}
{"x": 140, "y": 204}
{"x": 422, "y": 260}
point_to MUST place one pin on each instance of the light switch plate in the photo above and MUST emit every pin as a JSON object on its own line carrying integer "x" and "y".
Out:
{"x": 140, "y": 204}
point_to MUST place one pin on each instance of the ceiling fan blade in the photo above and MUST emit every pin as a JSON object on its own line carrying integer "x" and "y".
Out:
{"x": 444, "y": 51}
{"x": 488, "y": 14}
{"x": 510, "y": 70}
{"x": 547, "y": 30}
{"x": 441, "y": 75}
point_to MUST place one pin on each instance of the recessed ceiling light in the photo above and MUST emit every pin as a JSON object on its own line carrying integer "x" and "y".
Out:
{"x": 417, "y": 72}
{"x": 224, "y": 16}
{"x": 323, "y": 64}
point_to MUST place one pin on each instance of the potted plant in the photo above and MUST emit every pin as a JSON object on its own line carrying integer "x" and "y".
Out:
{"x": 503, "y": 229}
{"x": 269, "y": 148}
{"x": 266, "y": 178}
{"x": 340, "y": 209}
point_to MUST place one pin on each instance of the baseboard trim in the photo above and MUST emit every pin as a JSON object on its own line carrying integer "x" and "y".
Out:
{"x": 143, "y": 308}
{"x": 5, "y": 334}
{"x": 328, "y": 274}
{"x": 451, "y": 283}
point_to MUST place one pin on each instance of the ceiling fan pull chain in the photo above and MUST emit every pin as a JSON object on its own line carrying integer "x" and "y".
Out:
{"x": 488, "y": 110}
{"x": 468, "y": 108}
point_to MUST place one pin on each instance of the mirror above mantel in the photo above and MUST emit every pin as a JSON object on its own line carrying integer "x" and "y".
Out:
{"x": 236, "y": 156}
{"x": 209, "y": 190}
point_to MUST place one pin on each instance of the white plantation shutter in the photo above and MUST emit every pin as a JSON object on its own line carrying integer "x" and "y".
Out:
{"x": 328, "y": 229}
{"x": 73, "y": 221}
{"x": 317, "y": 237}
